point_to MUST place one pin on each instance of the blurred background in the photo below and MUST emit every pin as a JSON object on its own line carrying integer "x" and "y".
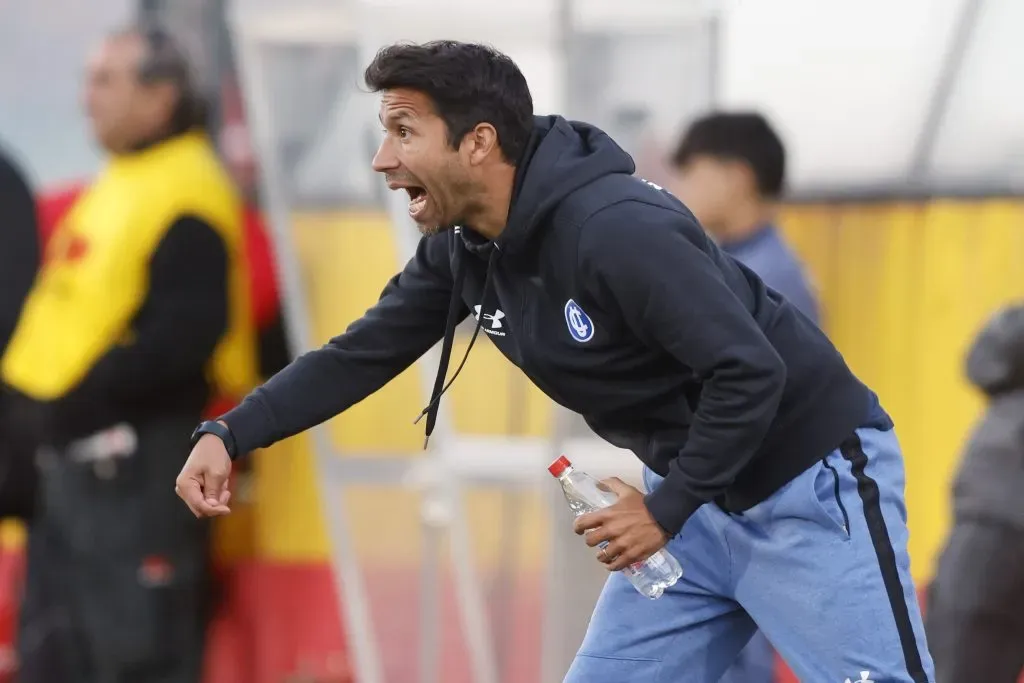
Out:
{"x": 352, "y": 554}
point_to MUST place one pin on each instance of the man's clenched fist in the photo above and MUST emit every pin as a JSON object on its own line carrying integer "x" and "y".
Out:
{"x": 203, "y": 482}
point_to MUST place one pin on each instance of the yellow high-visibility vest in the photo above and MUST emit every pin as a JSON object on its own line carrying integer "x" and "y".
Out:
{"x": 95, "y": 277}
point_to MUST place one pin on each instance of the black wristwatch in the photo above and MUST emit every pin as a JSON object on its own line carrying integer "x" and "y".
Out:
{"x": 218, "y": 430}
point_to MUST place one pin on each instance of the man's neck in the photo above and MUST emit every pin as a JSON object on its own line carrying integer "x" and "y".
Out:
{"x": 490, "y": 219}
{"x": 745, "y": 222}
{"x": 152, "y": 139}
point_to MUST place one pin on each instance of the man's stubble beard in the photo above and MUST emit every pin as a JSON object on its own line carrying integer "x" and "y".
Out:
{"x": 461, "y": 187}
{"x": 431, "y": 230}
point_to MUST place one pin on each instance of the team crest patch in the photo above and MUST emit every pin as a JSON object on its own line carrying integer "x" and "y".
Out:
{"x": 580, "y": 326}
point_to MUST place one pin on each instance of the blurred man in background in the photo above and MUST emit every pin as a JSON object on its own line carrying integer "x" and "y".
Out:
{"x": 976, "y": 608}
{"x": 730, "y": 170}
{"x": 19, "y": 261}
{"x": 139, "y": 315}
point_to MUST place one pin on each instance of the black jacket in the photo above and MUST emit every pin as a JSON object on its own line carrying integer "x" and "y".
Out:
{"x": 611, "y": 298}
{"x": 19, "y": 246}
{"x": 991, "y": 476}
{"x": 19, "y": 262}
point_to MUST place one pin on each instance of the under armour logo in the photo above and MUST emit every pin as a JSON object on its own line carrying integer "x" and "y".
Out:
{"x": 494, "y": 320}
{"x": 863, "y": 678}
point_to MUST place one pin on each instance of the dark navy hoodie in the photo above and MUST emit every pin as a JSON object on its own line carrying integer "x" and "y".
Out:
{"x": 606, "y": 292}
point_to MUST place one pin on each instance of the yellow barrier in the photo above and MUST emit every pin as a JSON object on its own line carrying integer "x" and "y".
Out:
{"x": 904, "y": 286}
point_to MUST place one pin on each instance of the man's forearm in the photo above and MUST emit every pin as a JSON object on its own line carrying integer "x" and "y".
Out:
{"x": 315, "y": 387}
{"x": 406, "y": 321}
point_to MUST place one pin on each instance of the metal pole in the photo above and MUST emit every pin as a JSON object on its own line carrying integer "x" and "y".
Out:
{"x": 555, "y": 629}
{"x": 568, "y": 586}
{"x": 469, "y": 593}
{"x": 347, "y": 577}
{"x": 432, "y": 524}
{"x": 511, "y": 499}
{"x": 714, "y": 33}
{"x": 952, "y": 65}
{"x": 149, "y": 12}
{"x": 443, "y": 505}
{"x": 431, "y": 586}
{"x": 219, "y": 46}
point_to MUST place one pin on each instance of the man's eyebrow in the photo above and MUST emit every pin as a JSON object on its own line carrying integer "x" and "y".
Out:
{"x": 400, "y": 116}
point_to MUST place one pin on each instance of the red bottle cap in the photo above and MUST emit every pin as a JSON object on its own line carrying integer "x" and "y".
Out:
{"x": 559, "y": 466}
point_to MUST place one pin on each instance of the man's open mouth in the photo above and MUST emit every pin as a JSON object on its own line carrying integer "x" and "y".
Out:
{"x": 417, "y": 201}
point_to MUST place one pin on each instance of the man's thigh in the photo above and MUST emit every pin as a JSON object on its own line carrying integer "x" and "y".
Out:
{"x": 822, "y": 567}
{"x": 691, "y": 634}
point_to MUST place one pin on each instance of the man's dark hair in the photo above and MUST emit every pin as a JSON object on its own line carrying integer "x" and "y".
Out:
{"x": 468, "y": 84}
{"x": 746, "y": 137}
{"x": 165, "y": 61}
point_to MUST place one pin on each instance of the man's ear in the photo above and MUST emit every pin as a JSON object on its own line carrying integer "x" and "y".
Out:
{"x": 164, "y": 97}
{"x": 741, "y": 173}
{"x": 480, "y": 142}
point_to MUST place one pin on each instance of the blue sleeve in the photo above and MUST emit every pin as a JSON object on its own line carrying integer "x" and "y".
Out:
{"x": 655, "y": 265}
{"x": 788, "y": 279}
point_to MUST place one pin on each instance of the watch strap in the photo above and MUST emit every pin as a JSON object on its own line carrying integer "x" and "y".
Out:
{"x": 220, "y": 431}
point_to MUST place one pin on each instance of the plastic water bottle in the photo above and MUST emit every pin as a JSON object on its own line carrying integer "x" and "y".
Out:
{"x": 584, "y": 494}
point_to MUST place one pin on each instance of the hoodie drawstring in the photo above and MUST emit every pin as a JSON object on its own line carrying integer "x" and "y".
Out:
{"x": 449, "y": 339}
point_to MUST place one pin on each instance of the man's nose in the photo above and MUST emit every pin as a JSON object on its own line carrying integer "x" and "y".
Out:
{"x": 385, "y": 159}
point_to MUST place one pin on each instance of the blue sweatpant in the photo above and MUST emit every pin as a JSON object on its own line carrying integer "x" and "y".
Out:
{"x": 821, "y": 567}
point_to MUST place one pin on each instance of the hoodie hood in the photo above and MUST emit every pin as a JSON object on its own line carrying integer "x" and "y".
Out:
{"x": 561, "y": 157}
{"x": 995, "y": 362}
